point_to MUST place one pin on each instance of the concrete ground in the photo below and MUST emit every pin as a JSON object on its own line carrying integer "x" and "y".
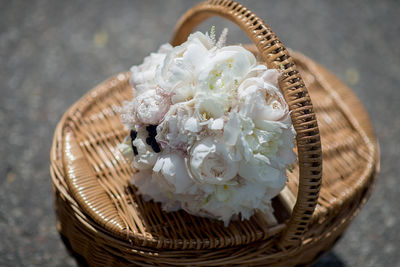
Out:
{"x": 52, "y": 52}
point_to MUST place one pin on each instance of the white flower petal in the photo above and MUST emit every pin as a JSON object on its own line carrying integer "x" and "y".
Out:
{"x": 143, "y": 76}
{"x": 172, "y": 167}
{"x": 211, "y": 162}
{"x": 232, "y": 130}
{"x": 192, "y": 125}
{"x": 259, "y": 171}
{"x": 217, "y": 124}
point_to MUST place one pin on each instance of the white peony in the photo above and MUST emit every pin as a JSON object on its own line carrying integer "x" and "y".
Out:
{"x": 179, "y": 128}
{"x": 225, "y": 69}
{"x": 143, "y": 77}
{"x": 261, "y": 98}
{"x": 181, "y": 67}
{"x": 262, "y": 149}
{"x": 219, "y": 124}
{"x": 263, "y": 103}
{"x": 170, "y": 170}
{"x": 149, "y": 107}
{"x": 229, "y": 201}
{"x": 210, "y": 161}
{"x": 210, "y": 110}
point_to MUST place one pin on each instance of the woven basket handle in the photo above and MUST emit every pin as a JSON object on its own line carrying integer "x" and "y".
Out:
{"x": 303, "y": 117}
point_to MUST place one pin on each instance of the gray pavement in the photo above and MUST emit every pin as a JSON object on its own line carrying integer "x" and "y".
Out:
{"x": 52, "y": 52}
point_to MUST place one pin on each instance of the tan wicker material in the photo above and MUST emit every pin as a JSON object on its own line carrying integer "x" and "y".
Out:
{"x": 105, "y": 222}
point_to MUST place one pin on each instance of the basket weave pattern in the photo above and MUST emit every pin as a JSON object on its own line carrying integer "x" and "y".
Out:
{"x": 107, "y": 223}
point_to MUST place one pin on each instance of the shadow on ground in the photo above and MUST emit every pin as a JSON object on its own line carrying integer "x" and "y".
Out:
{"x": 330, "y": 260}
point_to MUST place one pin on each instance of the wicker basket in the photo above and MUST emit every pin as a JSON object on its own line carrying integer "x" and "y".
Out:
{"x": 105, "y": 223}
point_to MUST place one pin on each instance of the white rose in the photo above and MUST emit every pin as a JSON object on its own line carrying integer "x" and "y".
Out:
{"x": 212, "y": 162}
{"x": 146, "y": 157}
{"x": 150, "y": 107}
{"x": 143, "y": 76}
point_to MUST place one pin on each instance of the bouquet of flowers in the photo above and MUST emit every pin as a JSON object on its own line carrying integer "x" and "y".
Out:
{"x": 210, "y": 130}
